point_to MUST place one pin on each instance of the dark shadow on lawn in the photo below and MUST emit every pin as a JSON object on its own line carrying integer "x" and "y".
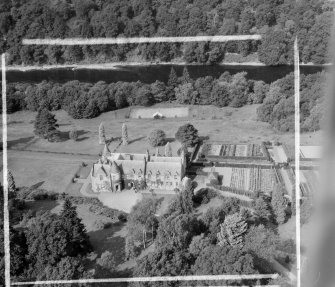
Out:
{"x": 82, "y": 139}
{"x": 19, "y": 141}
{"x": 136, "y": 140}
{"x": 104, "y": 239}
{"x": 39, "y": 205}
{"x": 36, "y": 185}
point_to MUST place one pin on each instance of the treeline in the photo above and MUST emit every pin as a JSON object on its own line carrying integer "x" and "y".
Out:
{"x": 278, "y": 105}
{"x": 227, "y": 239}
{"x": 278, "y": 20}
{"x": 84, "y": 100}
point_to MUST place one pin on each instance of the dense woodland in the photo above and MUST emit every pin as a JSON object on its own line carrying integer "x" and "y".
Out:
{"x": 84, "y": 100}
{"x": 279, "y": 21}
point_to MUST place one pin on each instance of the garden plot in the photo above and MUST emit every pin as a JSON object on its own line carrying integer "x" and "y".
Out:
{"x": 257, "y": 151}
{"x": 214, "y": 149}
{"x": 228, "y": 150}
{"x": 240, "y": 178}
{"x": 241, "y": 150}
{"x": 267, "y": 180}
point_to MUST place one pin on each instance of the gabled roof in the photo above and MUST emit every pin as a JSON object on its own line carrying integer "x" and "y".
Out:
{"x": 131, "y": 166}
{"x": 163, "y": 168}
{"x": 114, "y": 168}
{"x": 99, "y": 168}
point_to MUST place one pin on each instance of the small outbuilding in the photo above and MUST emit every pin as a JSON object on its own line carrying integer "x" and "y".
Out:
{"x": 157, "y": 115}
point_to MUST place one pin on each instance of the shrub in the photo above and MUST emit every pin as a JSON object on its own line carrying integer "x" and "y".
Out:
{"x": 204, "y": 195}
{"x": 157, "y": 138}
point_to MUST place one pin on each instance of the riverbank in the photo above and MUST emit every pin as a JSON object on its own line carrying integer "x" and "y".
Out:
{"x": 116, "y": 65}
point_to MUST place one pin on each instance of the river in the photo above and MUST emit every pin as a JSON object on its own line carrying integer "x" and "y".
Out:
{"x": 151, "y": 73}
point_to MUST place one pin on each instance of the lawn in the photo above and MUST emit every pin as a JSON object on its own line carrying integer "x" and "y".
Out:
{"x": 223, "y": 124}
{"x": 42, "y": 173}
{"x": 56, "y": 163}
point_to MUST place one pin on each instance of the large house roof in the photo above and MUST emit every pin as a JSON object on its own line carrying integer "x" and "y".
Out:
{"x": 163, "y": 168}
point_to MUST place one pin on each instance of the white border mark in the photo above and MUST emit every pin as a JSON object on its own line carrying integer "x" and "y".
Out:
{"x": 154, "y": 279}
{"x": 138, "y": 40}
{"x": 297, "y": 153}
{"x": 5, "y": 171}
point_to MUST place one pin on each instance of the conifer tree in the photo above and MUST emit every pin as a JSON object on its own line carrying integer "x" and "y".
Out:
{"x": 124, "y": 134}
{"x": 278, "y": 204}
{"x": 262, "y": 210}
{"x": 76, "y": 233}
{"x": 186, "y": 198}
{"x": 11, "y": 184}
{"x": 185, "y": 78}
{"x": 46, "y": 125}
{"x": 168, "y": 150}
{"x": 173, "y": 79}
{"x": 102, "y": 136}
{"x": 232, "y": 230}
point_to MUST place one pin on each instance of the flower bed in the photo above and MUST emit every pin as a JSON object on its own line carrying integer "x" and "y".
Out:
{"x": 214, "y": 149}
{"x": 241, "y": 150}
{"x": 257, "y": 151}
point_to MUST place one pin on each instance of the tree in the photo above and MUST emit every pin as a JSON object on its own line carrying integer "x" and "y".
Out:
{"x": 124, "y": 134}
{"x": 185, "y": 78}
{"x": 260, "y": 91}
{"x": 278, "y": 204}
{"x": 163, "y": 261}
{"x": 173, "y": 79}
{"x": 11, "y": 185}
{"x": 188, "y": 135}
{"x": 216, "y": 260}
{"x": 46, "y": 125}
{"x": 186, "y": 198}
{"x": 262, "y": 210}
{"x": 306, "y": 210}
{"x": 262, "y": 242}
{"x": 157, "y": 138}
{"x": 66, "y": 269}
{"x": 232, "y": 231}
{"x": 220, "y": 95}
{"x": 168, "y": 150}
{"x": 198, "y": 244}
{"x": 177, "y": 231}
{"x": 144, "y": 97}
{"x": 73, "y": 134}
{"x": 107, "y": 261}
{"x": 276, "y": 48}
{"x": 102, "y": 136}
{"x": 185, "y": 94}
{"x": 142, "y": 219}
{"x": 77, "y": 237}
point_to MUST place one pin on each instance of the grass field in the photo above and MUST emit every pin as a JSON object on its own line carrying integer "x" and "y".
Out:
{"x": 56, "y": 163}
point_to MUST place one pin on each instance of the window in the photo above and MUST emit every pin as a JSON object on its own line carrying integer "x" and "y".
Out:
{"x": 101, "y": 177}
